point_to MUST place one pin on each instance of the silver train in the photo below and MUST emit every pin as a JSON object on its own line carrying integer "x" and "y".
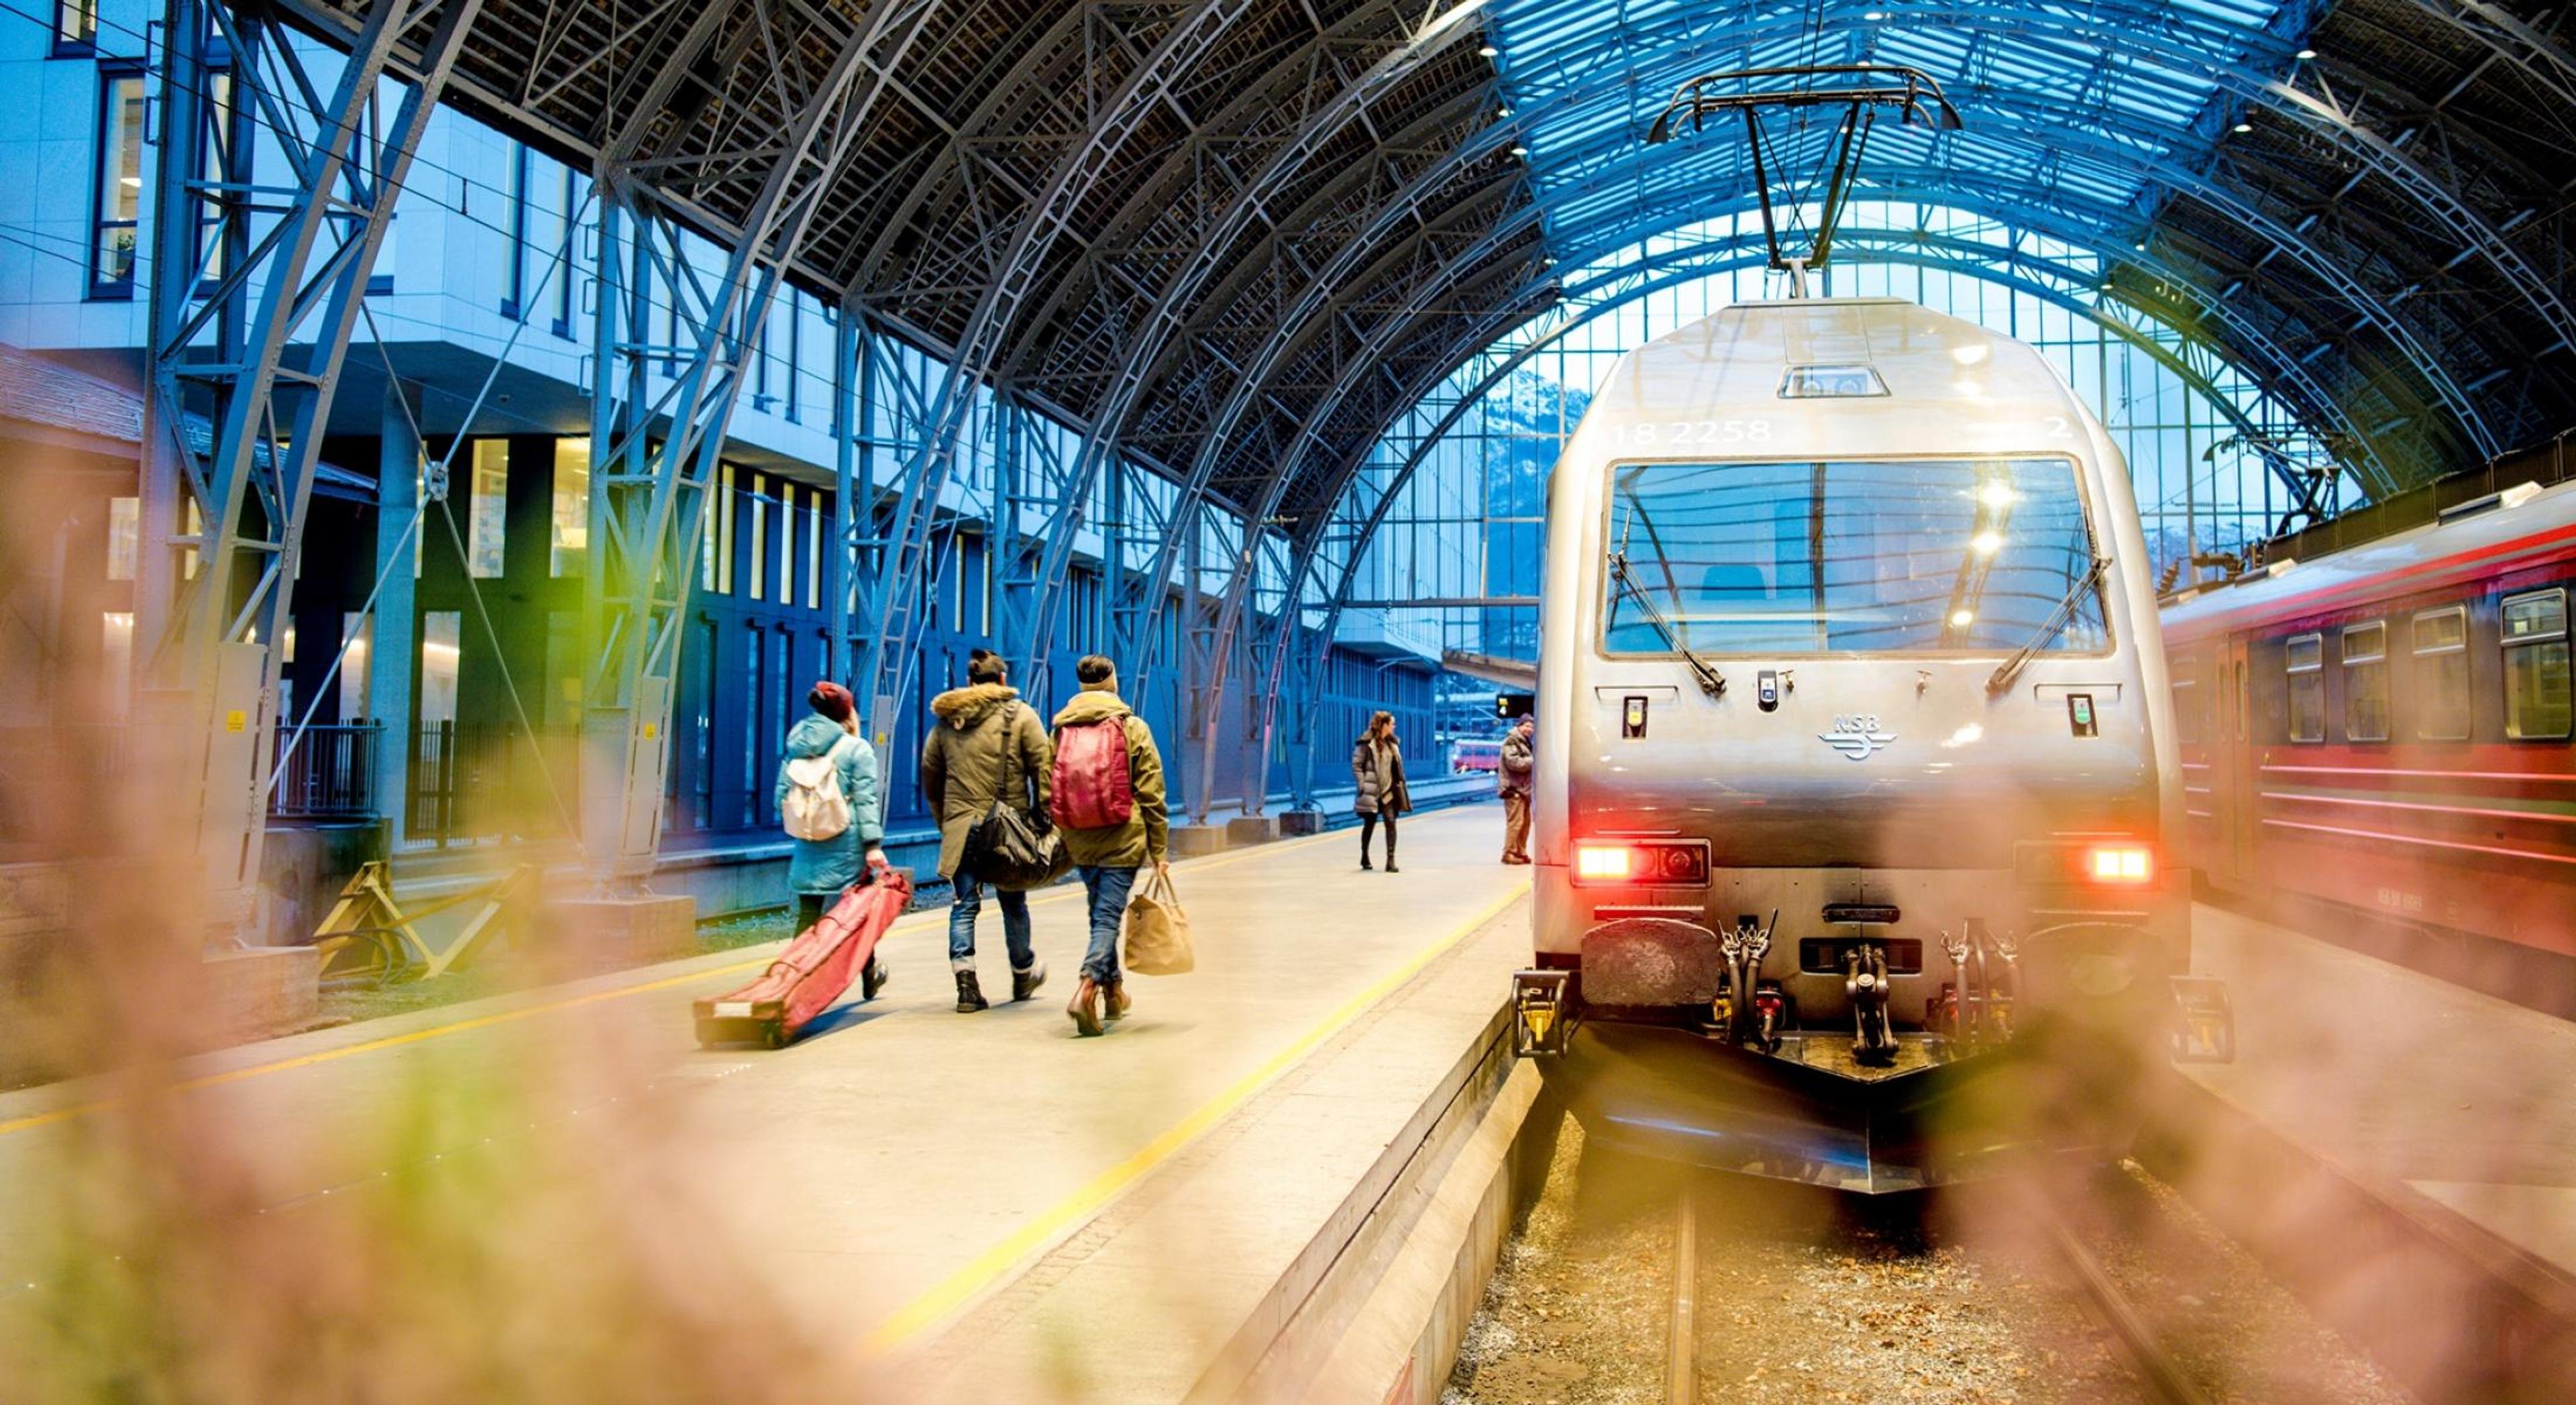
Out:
{"x": 1857, "y": 796}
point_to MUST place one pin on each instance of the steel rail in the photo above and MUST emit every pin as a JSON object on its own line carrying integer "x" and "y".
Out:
{"x": 2155, "y": 1366}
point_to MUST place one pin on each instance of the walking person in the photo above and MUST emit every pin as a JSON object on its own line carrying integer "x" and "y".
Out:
{"x": 1107, "y": 796}
{"x": 984, "y": 745}
{"x": 1377, "y": 766}
{"x": 1512, "y": 777}
{"x": 828, "y": 799}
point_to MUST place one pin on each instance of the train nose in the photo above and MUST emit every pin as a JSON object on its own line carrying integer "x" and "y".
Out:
{"x": 1872, "y": 765}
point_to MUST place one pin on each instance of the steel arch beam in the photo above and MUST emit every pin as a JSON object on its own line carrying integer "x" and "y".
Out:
{"x": 901, "y": 558}
{"x": 2323, "y": 111}
{"x": 2531, "y": 52}
{"x": 1146, "y": 342}
{"x": 219, "y": 654}
{"x": 1299, "y": 326}
{"x": 655, "y": 456}
{"x": 1287, "y": 84}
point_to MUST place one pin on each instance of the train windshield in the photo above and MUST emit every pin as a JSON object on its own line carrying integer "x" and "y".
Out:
{"x": 1914, "y": 556}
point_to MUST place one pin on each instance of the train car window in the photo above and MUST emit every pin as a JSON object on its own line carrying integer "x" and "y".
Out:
{"x": 2537, "y": 704}
{"x": 2441, "y": 674}
{"x": 2305, "y": 656}
{"x": 1924, "y": 556}
{"x": 2186, "y": 697}
{"x": 2365, "y": 682}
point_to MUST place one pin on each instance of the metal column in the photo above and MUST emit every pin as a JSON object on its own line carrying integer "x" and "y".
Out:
{"x": 211, "y": 671}
{"x": 657, "y": 450}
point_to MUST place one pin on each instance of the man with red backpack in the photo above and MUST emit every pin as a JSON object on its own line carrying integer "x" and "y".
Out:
{"x": 1106, "y": 798}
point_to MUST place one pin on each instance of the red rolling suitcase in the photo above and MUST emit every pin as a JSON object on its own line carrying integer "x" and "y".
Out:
{"x": 814, "y": 969}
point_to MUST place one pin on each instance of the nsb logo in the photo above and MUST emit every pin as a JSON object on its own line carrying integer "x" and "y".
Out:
{"x": 1856, "y": 736}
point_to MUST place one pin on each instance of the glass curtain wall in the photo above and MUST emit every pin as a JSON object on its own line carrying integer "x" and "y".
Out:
{"x": 1469, "y": 524}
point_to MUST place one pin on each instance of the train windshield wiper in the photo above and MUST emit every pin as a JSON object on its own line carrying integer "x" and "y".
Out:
{"x": 1711, "y": 681}
{"x": 2055, "y": 625}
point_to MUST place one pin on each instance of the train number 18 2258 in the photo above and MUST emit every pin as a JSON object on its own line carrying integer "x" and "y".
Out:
{"x": 1642, "y": 433}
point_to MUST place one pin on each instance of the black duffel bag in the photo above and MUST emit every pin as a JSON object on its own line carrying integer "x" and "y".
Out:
{"x": 1009, "y": 847}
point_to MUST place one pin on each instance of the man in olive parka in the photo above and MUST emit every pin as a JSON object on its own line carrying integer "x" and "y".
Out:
{"x": 982, "y": 740}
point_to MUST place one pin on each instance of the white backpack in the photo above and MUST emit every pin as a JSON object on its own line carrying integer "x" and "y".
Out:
{"x": 815, "y": 808}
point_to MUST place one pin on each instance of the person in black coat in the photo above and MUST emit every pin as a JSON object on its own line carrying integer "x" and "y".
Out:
{"x": 1377, "y": 772}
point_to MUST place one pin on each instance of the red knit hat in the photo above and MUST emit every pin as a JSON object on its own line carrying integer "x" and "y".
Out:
{"x": 832, "y": 700}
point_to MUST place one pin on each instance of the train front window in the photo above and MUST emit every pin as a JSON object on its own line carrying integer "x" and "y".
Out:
{"x": 1922, "y": 556}
{"x": 2537, "y": 702}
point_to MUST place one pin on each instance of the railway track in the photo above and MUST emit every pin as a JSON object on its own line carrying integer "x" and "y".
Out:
{"x": 2160, "y": 1376}
{"x": 1639, "y": 1281}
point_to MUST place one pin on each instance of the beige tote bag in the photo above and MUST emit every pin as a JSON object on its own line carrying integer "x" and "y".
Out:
{"x": 1158, "y": 932}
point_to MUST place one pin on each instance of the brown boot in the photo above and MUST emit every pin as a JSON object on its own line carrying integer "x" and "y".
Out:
{"x": 1085, "y": 1008}
{"x": 1114, "y": 998}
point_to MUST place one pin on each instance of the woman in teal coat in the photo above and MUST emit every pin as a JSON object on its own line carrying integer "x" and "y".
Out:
{"x": 820, "y": 869}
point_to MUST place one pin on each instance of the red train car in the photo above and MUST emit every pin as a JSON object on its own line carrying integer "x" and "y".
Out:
{"x": 2388, "y": 728}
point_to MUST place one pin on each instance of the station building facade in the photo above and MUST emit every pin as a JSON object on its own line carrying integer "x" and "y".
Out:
{"x": 448, "y": 712}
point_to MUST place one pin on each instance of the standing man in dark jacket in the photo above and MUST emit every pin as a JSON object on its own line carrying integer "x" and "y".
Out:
{"x": 985, "y": 745}
{"x": 1109, "y": 854}
{"x": 1512, "y": 778}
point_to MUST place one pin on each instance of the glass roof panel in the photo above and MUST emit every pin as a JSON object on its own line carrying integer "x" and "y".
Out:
{"x": 2089, "y": 106}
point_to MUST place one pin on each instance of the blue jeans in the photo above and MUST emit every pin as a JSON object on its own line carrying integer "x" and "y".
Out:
{"x": 1108, "y": 888}
{"x": 969, "y": 900}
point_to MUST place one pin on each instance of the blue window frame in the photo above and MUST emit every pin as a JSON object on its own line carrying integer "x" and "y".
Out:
{"x": 514, "y": 302}
{"x": 116, "y": 190}
{"x": 564, "y": 276}
{"x": 75, "y": 28}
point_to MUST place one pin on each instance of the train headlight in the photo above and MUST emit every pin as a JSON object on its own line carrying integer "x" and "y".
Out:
{"x": 1603, "y": 863}
{"x": 2130, "y": 864}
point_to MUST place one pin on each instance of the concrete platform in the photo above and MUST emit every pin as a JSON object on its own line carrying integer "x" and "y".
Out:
{"x": 2401, "y": 1077}
{"x": 2399, "y": 1151}
{"x": 964, "y": 1207}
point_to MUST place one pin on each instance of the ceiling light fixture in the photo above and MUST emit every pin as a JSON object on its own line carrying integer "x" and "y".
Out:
{"x": 2244, "y": 127}
{"x": 2307, "y": 53}
{"x": 1488, "y": 51}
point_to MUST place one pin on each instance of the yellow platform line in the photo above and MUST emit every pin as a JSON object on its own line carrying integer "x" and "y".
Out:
{"x": 914, "y": 922}
{"x": 966, "y": 1283}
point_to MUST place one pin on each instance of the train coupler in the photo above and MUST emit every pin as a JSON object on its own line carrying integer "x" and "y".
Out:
{"x": 1865, "y": 982}
{"x": 2204, "y": 1024}
{"x": 1542, "y": 1013}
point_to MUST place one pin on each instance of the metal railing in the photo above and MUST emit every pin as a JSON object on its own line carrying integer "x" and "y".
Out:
{"x": 329, "y": 775}
{"x": 476, "y": 781}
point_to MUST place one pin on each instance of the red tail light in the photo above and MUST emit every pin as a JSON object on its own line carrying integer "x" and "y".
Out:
{"x": 1662, "y": 862}
{"x": 2129, "y": 865}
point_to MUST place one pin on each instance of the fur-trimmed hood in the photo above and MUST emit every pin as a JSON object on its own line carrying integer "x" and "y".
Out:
{"x": 962, "y": 708}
